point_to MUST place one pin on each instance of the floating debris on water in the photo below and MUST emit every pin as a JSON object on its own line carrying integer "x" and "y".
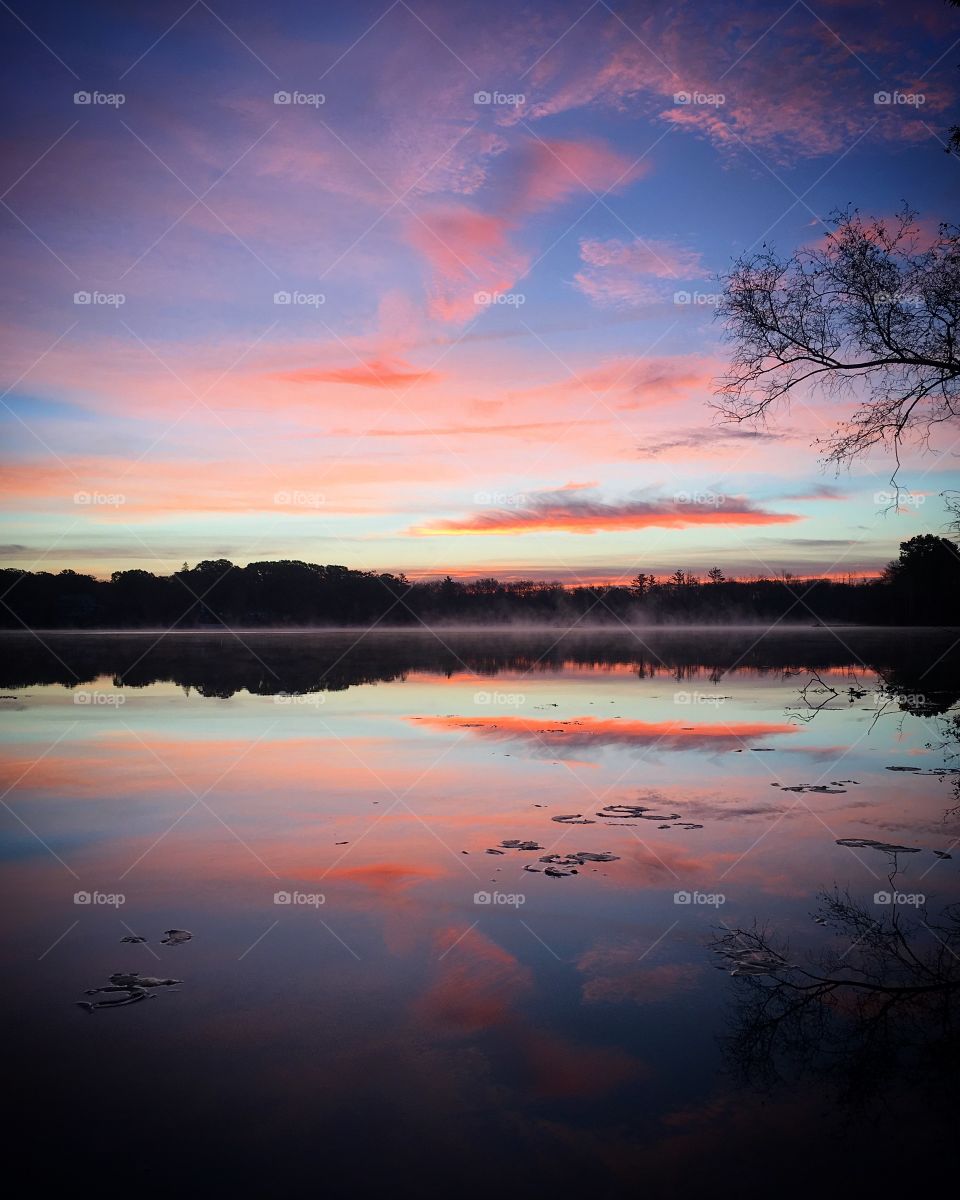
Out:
{"x": 573, "y": 819}
{"x": 872, "y": 844}
{"x": 636, "y": 811}
{"x": 132, "y": 984}
{"x": 752, "y": 960}
{"x": 822, "y": 788}
{"x": 561, "y": 865}
{"x": 940, "y": 771}
{"x": 133, "y": 937}
{"x": 174, "y": 937}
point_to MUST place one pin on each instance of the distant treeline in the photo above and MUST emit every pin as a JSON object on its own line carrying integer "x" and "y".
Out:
{"x": 920, "y": 588}
{"x": 918, "y": 670}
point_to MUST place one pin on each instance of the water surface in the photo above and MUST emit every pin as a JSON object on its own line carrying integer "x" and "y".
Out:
{"x": 370, "y": 999}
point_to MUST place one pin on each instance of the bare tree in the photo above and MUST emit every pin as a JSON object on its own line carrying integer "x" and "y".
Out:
{"x": 872, "y": 312}
{"x": 871, "y": 1013}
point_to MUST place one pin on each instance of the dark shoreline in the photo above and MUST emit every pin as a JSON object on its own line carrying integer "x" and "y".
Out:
{"x": 918, "y": 660}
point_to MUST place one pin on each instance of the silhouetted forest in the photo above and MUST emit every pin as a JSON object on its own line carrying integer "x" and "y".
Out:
{"x": 919, "y": 588}
{"x": 917, "y": 670}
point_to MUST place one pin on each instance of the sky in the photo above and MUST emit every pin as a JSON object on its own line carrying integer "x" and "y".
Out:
{"x": 431, "y": 287}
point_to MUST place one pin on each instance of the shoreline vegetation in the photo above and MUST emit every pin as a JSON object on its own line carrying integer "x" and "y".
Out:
{"x": 921, "y": 587}
{"x": 915, "y": 671}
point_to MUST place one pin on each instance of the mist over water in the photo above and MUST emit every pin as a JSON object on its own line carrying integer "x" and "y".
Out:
{"x": 452, "y": 896}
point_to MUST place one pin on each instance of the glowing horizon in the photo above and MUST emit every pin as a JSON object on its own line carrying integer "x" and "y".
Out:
{"x": 429, "y": 289}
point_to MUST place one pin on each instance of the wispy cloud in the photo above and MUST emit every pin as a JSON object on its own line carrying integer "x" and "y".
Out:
{"x": 569, "y": 511}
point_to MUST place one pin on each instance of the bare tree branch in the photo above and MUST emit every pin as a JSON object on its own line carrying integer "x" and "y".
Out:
{"x": 873, "y": 313}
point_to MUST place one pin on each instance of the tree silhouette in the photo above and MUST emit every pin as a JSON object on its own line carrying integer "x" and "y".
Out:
{"x": 873, "y": 310}
{"x": 872, "y": 1010}
{"x": 926, "y": 577}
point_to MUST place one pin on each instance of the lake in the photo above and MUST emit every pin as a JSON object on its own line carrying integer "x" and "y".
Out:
{"x": 381, "y": 993}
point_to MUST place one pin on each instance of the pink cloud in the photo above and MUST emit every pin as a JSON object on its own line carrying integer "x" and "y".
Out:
{"x": 375, "y": 373}
{"x": 468, "y": 252}
{"x": 564, "y": 511}
{"x": 618, "y": 274}
{"x": 823, "y": 94}
{"x": 543, "y": 172}
{"x": 641, "y": 383}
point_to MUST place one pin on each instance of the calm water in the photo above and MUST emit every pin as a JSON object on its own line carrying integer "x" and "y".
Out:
{"x": 424, "y": 1015}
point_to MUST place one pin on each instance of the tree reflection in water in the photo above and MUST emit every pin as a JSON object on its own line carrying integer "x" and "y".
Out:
{"x": 875, "y": 1011}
